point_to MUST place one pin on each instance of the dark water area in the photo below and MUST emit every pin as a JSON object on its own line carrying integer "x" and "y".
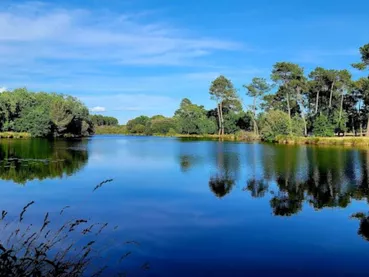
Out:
{"x": 201, "y": 208}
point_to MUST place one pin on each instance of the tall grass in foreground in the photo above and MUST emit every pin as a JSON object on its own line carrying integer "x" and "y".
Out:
{"x": 70, "y": 249}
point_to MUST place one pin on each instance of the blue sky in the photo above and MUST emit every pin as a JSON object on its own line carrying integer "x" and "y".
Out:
{"x": 130, "y": 57}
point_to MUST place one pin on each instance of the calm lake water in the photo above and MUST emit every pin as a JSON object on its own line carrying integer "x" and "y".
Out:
{"x": 201, "y": 208}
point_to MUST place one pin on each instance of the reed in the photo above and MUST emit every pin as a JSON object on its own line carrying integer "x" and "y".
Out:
{"x": 72, "y": 248}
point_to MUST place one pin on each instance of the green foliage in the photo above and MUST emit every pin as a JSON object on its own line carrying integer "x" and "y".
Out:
{"x": 35, "y": 121}
{"x": 322, "y": 127}
{"x": 222, "y": 91}
{"x": 43, "y": 114}
{"x": 297, "y": 126}
{"x": 340, "y": 121}
{"x": 138, "y": 125}
{"x": 257, "y": 88}
{"x": 273, "y": 124}
{"x": 102, "y": 130}
{"x": 364, "y": 64}
{"x": 100, "y": 120}
{"x": 171, "y": 133}
{"x": 192, "y": 119}
{"x": 160, "y": 125}
{"x": 276, "y": 123}
{"x": 234, "y": 122}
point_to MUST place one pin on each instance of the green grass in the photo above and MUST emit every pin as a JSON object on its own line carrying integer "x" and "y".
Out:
{"x": 14, "y": 135}
{"x": 343, "y": 141}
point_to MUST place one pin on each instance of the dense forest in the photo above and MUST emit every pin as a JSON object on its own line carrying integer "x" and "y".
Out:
{"x": 324, "y": 103}
{"x": 101, "y": 120}
{"x": 43, "y": 114}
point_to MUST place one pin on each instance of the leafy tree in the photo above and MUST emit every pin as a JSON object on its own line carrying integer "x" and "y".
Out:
{"x": 284, "y": 73}
{"x": 364, "y": 64}
{"x": 43, "y": 114}
{"x": 138, "y": 125}
{"x": 256, "y": 89}
{"x": 344, "y": 83}
{"x": 362, "y": 93}
{"x": 222, "y": 90}
{"x": 323, "y": 127}
{"x": 273, "y": 124}
{"x": 35, "y": 121}
{"x": 323, "y": 84}
{"x": 161, "y": 125}
{"x": 61, "y": 115}
{"x": 192, "y": 119}
{"x": 100, "y": 120}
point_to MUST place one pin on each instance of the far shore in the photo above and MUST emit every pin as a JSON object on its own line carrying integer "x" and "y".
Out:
{"x": 244, "y": 137}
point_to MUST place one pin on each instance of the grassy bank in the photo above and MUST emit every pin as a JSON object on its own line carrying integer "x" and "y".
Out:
{"x": 14, "y": 135}
{"x": 345, "y": 141}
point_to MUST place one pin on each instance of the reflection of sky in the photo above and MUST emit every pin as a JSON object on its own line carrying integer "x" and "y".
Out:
{"x": 184, "y": 230}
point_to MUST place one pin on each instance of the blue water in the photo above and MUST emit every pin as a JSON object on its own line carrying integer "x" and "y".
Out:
{"x": 203, "y": 208}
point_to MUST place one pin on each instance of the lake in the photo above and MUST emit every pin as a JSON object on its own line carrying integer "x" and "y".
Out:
{"x": 201, "y": 208}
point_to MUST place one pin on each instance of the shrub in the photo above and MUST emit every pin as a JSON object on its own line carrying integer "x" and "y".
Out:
{"x": 322, "y": 127}
{"x": 171, "y": 132}
{"x": 273, "y": 124}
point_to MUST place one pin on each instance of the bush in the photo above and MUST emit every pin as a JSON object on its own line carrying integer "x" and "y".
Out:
{"x": 322, "y": 127}
{"x": 273, "y": 124}
{"x": 161, "y": 126}
{"x": 171, "y": 132}
{"x": 298, "y": 126}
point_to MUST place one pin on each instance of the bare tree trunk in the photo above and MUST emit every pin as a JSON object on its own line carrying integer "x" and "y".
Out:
{"x": 256, "y": 131}
{"x": 341, "y": 107}
{"x": 331, "y": 95}
{"x": 360, "y": 122}
{"x": 305, "y": 124}
{"x": 367, "y": 128}
{"x": 221, "y": 117}
{"x": 317, "y": 102}
{"x": 219, "y": 120}
{"x": 289, "y": 112}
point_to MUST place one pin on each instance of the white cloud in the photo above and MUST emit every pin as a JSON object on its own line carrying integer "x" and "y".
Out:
{"x": 34, "y": 32}
{"x": 98, "y": 109}
{"x": 318, "y": 56}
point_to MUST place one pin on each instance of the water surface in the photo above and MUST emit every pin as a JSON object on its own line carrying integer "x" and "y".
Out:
{"x": 203, "y": 208}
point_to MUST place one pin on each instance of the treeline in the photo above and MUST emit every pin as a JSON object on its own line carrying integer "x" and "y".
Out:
{"x": 101, "y": 120}
{"x": 191, "y": 119}
{"x": 43, "y": 114}
{"x": 324, "y": 102}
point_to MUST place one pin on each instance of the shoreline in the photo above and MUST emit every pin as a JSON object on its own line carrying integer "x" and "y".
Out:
{"x": 337, "y": 141}
{"x": 243, "y": 137}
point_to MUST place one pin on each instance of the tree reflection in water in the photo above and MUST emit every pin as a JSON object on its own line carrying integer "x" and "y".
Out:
{"x": 221, "y": 185}
{"x": 291, "y": 176}
{"x": 26, "y": 160}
